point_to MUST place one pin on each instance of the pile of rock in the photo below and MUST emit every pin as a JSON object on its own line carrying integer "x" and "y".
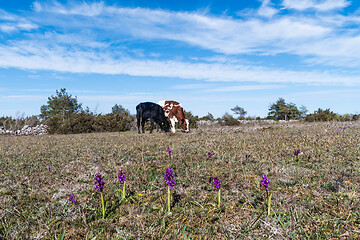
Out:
{"x": 207, "y": 122}
{"x": 27, "y": 130}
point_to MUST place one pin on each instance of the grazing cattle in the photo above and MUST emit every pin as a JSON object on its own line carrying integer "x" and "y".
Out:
{"x": 154, "y": 112}
{"x": 174, "y": 111}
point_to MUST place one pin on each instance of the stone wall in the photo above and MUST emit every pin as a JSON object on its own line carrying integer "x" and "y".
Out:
{"x": 26, "y": 130}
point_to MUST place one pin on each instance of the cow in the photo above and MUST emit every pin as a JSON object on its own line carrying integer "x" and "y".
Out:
{"x": 154, "y": 112}
{"x": 174, "y": 111}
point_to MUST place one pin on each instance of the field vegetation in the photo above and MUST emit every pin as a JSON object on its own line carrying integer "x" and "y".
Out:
{"x": 47, "y": 184}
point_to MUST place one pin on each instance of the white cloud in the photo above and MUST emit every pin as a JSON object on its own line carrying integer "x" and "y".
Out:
{"x": 30, "y": 56}
{"x": 90, "y": 34}
{"x": 11, "y": 27}
{"x": 11, "y": 23}
{"x": 22, "y": 98}
{"x": 7, "y": 28}
{"x": 306, "y": 36}
{"x": 84, "y": 8}
{"x": 191, "y": 86}
{"x": 244, "y": 88}
{"x": 220, "y": 34}
{"x": 320, "y": 5}
{"x": 265, "y": 10}
{"x": 339, "y": 51}
{"x": 7, "y": 16}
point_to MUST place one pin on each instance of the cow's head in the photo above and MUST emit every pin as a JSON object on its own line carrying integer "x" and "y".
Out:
{"x": 165, "y": 125}
{"x": 185, "y": 124}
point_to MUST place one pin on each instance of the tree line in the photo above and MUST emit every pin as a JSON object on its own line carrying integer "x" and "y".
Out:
{"x": 281, "y": 110}
{"x": 64, "y": 114}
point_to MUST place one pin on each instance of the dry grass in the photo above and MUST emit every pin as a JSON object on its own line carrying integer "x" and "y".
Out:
{"x": 315, "y": 195}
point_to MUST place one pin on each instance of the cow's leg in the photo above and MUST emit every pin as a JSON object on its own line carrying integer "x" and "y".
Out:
{"x": 143, "y": 125}
{"x": 173, "y": 122}
{"x": 187, "y": 125}
{"x": 157, "y": 127}
{"x": 152, "y": 124}
{"x": 138, "y": 123}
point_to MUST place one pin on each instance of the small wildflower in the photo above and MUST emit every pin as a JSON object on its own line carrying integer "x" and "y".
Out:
{"x": 99, "y": 185}
{"x": 296, "y": 152}
{"x": 121, "y": 176}
{"x": 265, "y": 182}
{"x": 169, "y": 151}
{"x": 140, "y": 194}
{"x": 169, "y": 177}
{"x": 170, "y": 181}
{"x": 72, "y": 197}
{"x": 210, "y": 154}
{"x": 217, "y": 182}
{"x": 99, "y": 182}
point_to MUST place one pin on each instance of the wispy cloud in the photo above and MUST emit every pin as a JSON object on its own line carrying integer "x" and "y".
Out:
{"x": 307, "y": 36}
{"x": 85, "y": 9}
{"x": 22, "y": 98}
{"x": 11, "y": 23}
{"x": 220, "y": 34}
{"x": 87, "y": 42}
{"x": 27, "y": 56}
{"x": 191, "y": 86}
{"x": 238, "y": 88}
{"x": 266, "y": 10}
{"x": 320, "y": 5}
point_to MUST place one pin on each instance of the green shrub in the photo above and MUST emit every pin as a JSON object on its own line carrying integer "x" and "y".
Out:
{"x": 208, "y": 117}
{"x": 113, "y": 122}
{"x": 228, "y": 120}
{"x": 355, "y": 117}
{"x": 192, "y": 119}
{"x": 87, "y": 123}
{"x": 322, "y": 116}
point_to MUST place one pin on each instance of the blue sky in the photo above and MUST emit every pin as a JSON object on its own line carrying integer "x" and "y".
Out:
{"x": 209, "y": 55}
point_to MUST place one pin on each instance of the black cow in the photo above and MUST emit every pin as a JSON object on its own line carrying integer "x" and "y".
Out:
{"x": 155, "y": 112}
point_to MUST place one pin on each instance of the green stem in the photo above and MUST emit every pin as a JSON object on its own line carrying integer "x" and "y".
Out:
{"x": 169, "y": 199}
{"x": 123, "y": 192}
{"x": 219, "y": 198}
{"x": 269, "y": 204}
{"x": 103, "y": 205}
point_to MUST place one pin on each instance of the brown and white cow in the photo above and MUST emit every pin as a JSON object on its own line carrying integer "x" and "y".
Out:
{"x": 174, "y": 111}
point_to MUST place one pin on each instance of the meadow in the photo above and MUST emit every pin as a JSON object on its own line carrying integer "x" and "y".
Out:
{"x": 315, "y": 195}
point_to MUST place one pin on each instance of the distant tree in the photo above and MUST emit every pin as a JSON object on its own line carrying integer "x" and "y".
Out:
{"x": 303, "y": 111}
{"x": 118, "y": 109}
{"x": 62, "y": 105}
{"x": 281, "y": 110}
{"x": 88, "y": 111}
{"x": 239, "y": 111}
{"x": 209, "y": 116}
{"x": 275, "y": 108}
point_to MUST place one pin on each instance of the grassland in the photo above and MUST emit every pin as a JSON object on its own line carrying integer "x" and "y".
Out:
{"x": 314, "y": 195}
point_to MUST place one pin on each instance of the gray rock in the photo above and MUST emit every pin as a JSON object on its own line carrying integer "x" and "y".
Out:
{"x": 26, "y": 130}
